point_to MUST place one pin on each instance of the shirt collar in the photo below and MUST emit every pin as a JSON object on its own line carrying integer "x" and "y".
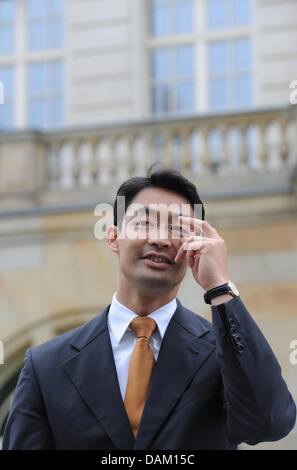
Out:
{"x": 120, "y": 316}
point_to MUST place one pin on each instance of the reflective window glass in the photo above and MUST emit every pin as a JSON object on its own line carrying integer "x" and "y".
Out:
{"x": 217, "y": 14}
{"x": 242, "y": 12}
{"x": 184, "y": 17}
{"x": 218, "y": 93}
{"x": 7, "y": 26}
{"x": 172, "y": 17}
{"x": 45, "y": 94}
{"x": 185, "y": 97}
{"x": 45, "y": 24}
{"x": 228, "y": 13}
{"x": 243, "y": 91}
{"x": 218, "y": 57}
{"x": 173, "y": 80}
{"x": 242, "y": 54}
{"x": 229, "y": 74}
{"x": 184, "y": 61}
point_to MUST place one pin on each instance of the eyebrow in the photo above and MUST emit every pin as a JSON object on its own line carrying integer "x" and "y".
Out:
{"x": 150, "y": 211}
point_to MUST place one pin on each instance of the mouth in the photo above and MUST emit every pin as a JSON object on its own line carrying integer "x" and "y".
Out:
{"x": 157, "y": 261}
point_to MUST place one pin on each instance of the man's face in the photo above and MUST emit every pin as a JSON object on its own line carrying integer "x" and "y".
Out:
{"x": 147, "y": 259}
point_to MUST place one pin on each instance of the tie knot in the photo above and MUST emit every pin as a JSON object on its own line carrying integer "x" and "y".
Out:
{"x": 143, "y": 326}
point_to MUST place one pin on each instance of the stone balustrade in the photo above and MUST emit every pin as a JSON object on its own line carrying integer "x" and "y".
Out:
{"x": 83, "y": 159}
{"x": 234, "y": 143}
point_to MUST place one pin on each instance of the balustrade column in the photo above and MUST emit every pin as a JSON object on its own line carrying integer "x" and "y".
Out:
{"x": 205, "y": 160}
{"x": 273, "y": 139}
{"x": 67, "y": 166}
{"x": 94, "y": 166}
{"x": 130, "y": 163}
{"x": 142, "y": 157}
{"x": 121, "y": 155}
{"x": 224, "y": 161}
{"x": 186, "y": 151}
{"x": 168, "y": 153}
{"x": 243, "y": 158}
{"x": 111, "y": 162}
{"x": 263, "y": 148}
{"x": 84, "y": 158}
{"x": 103, "y": 157}
{"x": 53, "y": 165}
{"x": 284, "y": 147}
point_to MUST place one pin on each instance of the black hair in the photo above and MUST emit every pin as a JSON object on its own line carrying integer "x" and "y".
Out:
{"x": 164, "y": 178}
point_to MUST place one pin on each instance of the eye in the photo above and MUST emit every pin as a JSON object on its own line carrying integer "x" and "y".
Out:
{"x": 143, "y": 223}
{"x": 175, "y": 228}
{"x": 178, "y": 228}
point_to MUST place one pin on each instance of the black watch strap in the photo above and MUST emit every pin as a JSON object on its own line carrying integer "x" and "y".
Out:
{"x": 215, "y": 292}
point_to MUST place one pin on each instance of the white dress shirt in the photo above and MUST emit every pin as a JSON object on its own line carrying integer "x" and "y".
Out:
{"x": 123, "y": 339}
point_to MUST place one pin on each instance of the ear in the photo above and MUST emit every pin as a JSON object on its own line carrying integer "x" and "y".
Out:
{"x": 112, "y": 234}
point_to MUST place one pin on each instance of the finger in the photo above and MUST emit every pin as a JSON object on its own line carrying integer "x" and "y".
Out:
{"x": 182, "y": 250}
{"x": 200, "y": 225}
{"x": 191, "y": 226}
{"x": 196, "y": 259}
{"x": 194, "y": 244}
{"x": 198, "y": 243}
{"x": 193, "y": 258}
{"x": 190, "y": 258}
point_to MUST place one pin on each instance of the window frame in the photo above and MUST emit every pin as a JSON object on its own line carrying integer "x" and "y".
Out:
{"x": 47, "y": 96}
{"x": 230, "y": 75}
{"x": 173, "y": 81}
{"x": 23, "y": 57}
{"x": 201, "y": 37}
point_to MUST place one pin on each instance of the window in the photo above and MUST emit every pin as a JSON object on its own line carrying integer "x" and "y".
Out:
{"x": 173, "y": 80}
{"x": 7, "y": 108}
{"x": 45, "y": 20}
{"x": 45, "y": 24}
{"x": 229, "y": 65}
{"x": 172, "y": 17}
{"x": 228, "y": 13}
{"x": 7, "y": 26}
{"x": 45, "y": 94}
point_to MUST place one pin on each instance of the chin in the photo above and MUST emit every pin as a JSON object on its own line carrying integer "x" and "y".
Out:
{"x": 157, "y": 282}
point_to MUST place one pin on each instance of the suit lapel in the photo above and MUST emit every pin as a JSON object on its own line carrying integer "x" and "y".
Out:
{"x": 93, "y": 373}
{"x": 182, "y": 353}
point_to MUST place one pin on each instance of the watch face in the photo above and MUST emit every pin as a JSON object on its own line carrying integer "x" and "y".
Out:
{"x": 233, "y": 288}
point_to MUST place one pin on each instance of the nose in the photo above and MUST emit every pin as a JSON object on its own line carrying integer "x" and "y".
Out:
{"x": 159, "y": 239}
{"x": 160, "y": 243}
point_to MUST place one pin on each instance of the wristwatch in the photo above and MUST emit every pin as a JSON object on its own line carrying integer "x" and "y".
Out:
{"x": 228, "y": 288}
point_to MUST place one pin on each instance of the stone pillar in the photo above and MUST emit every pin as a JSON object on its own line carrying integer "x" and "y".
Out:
{"x": 22, "y": 168}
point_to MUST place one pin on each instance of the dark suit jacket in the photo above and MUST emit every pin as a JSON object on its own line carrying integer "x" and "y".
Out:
{"x": 213, "y": 387}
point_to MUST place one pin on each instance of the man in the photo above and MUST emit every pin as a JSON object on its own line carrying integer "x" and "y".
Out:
{"x": 148, "y": 373}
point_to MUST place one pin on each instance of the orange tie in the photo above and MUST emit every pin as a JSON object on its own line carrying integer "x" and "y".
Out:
{"x": 141, "y": 367}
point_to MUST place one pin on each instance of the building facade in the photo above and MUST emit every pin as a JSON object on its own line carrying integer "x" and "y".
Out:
{"x": 84, "y": 62}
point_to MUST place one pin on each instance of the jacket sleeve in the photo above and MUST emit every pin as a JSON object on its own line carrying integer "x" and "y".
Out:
{"x": 27, "y": 427}
{"x": 258, "y": 404}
